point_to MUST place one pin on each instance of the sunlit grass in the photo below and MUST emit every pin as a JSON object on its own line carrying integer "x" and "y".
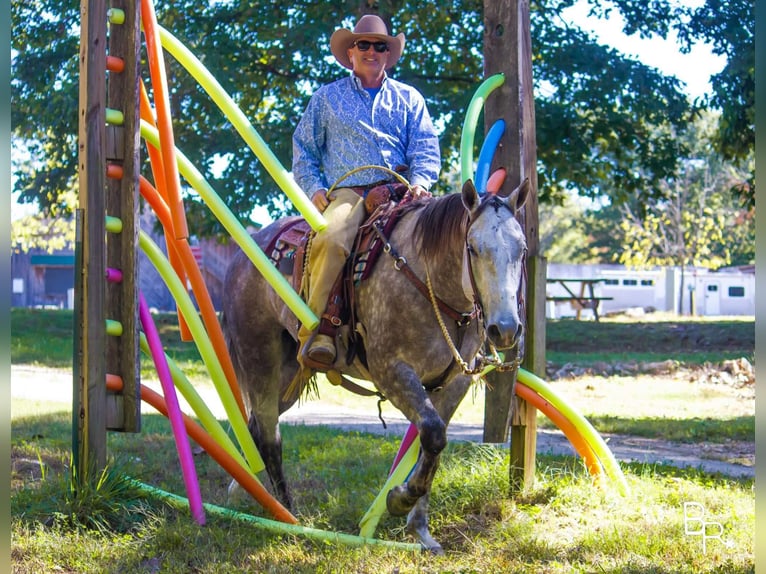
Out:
{"x": 562, "y": 523}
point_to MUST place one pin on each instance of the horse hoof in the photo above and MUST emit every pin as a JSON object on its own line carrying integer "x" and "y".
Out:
{"x": 236, "y": 495}
{"x": 436, "y": 550}
{"x": 398, "y": 501}
{"x": 419, "y": 529}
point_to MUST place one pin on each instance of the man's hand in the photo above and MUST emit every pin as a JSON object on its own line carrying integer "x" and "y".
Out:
{"x": 418, "y": 191}
{"x": 319, "y": 199}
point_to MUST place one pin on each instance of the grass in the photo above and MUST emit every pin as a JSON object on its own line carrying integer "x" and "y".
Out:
{"x": 657, "y": 337}
{"x": 563, "y": 523}
{"x": 44, "y": 337}
{"x": 691, "y": 430}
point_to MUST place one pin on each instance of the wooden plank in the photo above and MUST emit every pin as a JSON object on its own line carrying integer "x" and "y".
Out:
{"x": 122, "y": 201}
{"x": 91, "y": 427}
{"x": 501, "y": 56}
{"x": 534, "y": 354}
{"x": 565, "y": 298}
{"x": 507, "y": 49}
{"x": 523, "y": 446}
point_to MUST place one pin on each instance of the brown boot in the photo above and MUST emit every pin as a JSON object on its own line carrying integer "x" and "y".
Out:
{"x": 322, "y": 349}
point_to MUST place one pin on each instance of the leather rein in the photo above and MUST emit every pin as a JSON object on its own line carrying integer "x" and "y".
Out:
{"x": 462, "y": 319}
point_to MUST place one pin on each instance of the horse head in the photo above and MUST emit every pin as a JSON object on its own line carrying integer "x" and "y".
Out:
{"x": 495, "y": 252}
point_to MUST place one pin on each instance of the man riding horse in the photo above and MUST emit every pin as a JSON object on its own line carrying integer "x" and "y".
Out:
{"x": 426, "y": 322}
{"x": 363, "y": 119}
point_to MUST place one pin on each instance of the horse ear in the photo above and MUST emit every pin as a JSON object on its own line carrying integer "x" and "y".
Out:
{"x": 518, "y": 196}
{"x": 470, "y": 196}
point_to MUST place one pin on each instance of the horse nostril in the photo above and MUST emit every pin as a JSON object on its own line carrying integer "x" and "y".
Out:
{"x": 493, "y": 332}
{"x": 506, "y": 337}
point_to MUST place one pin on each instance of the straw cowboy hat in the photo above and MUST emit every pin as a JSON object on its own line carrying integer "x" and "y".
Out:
{"x": 369, "y": 26}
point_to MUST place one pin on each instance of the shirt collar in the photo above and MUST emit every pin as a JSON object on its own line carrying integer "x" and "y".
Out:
{"x": 356, "y": 80}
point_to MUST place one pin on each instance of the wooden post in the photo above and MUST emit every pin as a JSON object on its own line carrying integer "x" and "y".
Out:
{"x": 122, "y": 354}
{"x": 507, "y": 49}
{"x": 95, "y": 354}
{"x": 90, "y": 348}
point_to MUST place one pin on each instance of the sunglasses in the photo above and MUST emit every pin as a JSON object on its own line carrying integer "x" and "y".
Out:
{"x": 364, "y": 45}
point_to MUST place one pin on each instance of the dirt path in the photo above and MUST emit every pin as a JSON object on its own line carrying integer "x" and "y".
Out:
{"x": 736, "y": 459}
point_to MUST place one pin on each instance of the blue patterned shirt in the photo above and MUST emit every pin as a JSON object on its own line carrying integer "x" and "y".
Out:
{"x": 344, "y": 128}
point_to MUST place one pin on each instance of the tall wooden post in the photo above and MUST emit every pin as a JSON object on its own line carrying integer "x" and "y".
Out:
{"x": 121, "y": 201}
{"x": 89, "y": 443}
{"x": 507, "y": 49}
{"x": 95, "y": 353}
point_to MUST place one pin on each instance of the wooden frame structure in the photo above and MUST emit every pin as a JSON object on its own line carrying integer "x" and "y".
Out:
{"x": 106, "y": 288}
{"x": 109, "y": 170}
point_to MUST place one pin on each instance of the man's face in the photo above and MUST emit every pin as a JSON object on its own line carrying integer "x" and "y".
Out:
{"x": 369, "y": 62}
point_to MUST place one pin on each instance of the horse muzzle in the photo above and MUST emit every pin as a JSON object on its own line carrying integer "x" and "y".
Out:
{"x": 505, "y": 335}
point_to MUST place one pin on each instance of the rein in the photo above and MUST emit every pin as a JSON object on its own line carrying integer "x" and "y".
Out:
{"x": 396, "y": 175}
{"x": 400, "y": 264}
{"x": 461, "y": 319}
{"x": 483, "y": 361}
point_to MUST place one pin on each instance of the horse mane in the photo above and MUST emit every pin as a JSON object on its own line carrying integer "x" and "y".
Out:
{"x": 440, "y": 227}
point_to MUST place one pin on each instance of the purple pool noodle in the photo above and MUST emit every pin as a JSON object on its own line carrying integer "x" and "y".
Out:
{"x": 174, "y": 412}
{"x": 113, "y": 275}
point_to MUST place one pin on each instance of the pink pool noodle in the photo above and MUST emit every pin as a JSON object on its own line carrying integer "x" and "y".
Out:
{"x": 113, "y": 275}
{"x": 174, "y": 412}
{"x": 409, "y": 436}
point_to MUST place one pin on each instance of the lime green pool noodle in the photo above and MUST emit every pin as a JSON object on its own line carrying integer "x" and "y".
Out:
{"x": 469, "y": 124}
{"x": 113, "y": 224}
{"x": 114, "y": 117}
{"x": 113, "y": 328}
{"x": 115, "y": 16}
{"x": 209, "y": 422}
{"x": 244, "y": 127}
{"x": 237, "y": 232}
{"x": 369, "y": 521}
{"x": 278, "y": 527}
{"x": 585, "y": 429}
{"x": 206, "y": 350}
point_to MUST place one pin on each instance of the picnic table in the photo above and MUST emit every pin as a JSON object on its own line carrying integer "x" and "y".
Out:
{"x": 580, "y": 298}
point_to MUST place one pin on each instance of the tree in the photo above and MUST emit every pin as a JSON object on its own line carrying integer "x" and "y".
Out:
{"x": 565, "y": 236}
{"x": 698, "y": 223}
{"x": 730, "y": 27}
{"x": 597, "y": 111}
{"x": 48, "y": 231}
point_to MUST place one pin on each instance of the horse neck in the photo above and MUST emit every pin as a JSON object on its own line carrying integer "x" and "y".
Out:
{"x": 446, "y": 272}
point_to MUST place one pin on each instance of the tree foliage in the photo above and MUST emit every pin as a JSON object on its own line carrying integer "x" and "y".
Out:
{"x": 605, "y": 123}
{"x": 729, "y": 26}
{"x": 697, "y": 224}
{"x": 48, "y": 231}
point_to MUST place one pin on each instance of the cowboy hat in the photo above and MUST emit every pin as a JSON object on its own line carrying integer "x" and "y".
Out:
{"x": 369, "y": 26}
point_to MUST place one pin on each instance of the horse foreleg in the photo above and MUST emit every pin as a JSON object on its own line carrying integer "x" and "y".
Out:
{"x": 417, "y": 525}
{"x": 446, "y": 403}
{"x": 417, "y": 406}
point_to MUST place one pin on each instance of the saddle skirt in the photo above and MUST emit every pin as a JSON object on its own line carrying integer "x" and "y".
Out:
{"x": 288, "y": 247}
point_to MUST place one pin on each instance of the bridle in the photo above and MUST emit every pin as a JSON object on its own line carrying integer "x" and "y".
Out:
{"x": 484, "y": 360}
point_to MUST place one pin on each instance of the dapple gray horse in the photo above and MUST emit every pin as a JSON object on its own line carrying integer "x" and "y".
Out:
{"x": 470, "y": 250}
